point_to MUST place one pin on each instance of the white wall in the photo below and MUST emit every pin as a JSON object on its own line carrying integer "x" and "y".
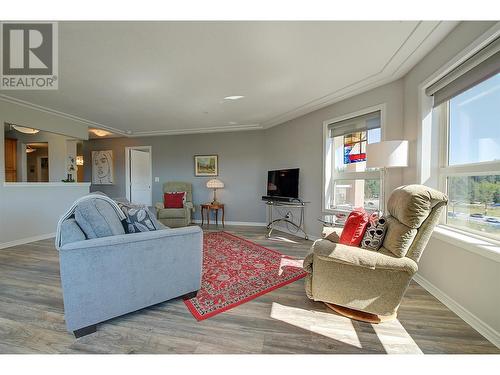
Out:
{"x": 471, "y": 280}
{"x": 29, "y": 212}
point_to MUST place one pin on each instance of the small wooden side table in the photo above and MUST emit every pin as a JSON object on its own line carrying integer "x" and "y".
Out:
{"x": 207, "y": 207}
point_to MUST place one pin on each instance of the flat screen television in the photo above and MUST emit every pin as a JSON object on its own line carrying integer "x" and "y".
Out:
{"x": 283, "y": 183}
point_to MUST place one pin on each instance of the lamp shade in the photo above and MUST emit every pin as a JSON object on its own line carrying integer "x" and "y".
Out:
{"x": 387, "y": 154}
{"x": 215, "y": 184}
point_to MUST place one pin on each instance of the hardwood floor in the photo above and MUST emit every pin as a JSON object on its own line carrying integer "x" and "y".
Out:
{"x": 283, "y": 321}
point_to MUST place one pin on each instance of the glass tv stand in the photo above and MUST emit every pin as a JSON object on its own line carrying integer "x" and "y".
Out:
{"x": 284, "y": 211}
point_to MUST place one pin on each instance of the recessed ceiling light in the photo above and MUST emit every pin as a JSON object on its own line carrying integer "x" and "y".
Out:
{"x": 234, "y": 97}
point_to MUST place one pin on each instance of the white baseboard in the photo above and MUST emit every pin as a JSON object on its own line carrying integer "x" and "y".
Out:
{"x": 23, "y": 241}
{"x": 247, "y": 223}
{"x": 484, "y": 329}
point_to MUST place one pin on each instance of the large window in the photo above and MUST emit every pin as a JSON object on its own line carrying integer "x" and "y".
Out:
{"x": 470, "y": 170}
{"x": 348, "y": 182}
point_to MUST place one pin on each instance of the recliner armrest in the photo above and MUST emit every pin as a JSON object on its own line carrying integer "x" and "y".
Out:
{"x": 331, "y": 234}
{"x": 355, "y": 256}
{"x": 189, "y": 206}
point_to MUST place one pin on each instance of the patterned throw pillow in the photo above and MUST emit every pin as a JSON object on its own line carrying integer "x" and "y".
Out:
{"x": 375, "y": 233}
{"x": 139, "y": 218}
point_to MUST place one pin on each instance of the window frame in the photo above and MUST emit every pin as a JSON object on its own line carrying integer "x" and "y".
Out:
{"x": 459, "y": 170}
{"x": 328, "y": 173}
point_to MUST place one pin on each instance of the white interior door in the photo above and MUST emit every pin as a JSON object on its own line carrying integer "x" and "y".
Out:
{"x": 140, "y": 177}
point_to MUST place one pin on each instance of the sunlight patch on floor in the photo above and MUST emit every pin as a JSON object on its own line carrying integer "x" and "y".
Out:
{"x": 395, "y": 339}
{"x": 287, "y": 262}
{"x": 330, "y": 325}
{"x": 392, "y": 335}
{"x": 281, "y": 239}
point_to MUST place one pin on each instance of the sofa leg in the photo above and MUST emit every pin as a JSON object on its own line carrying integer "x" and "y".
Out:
{"x": 361, "y": 315}
{"x": 190, "y": 295}
{"x": 85, "y": 331}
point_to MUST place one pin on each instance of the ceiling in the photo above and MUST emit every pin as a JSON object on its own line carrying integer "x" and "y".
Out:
{"x": 145, "y": 78}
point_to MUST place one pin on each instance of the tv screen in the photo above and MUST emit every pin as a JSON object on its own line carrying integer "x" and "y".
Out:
{"x": 283, "y": 183}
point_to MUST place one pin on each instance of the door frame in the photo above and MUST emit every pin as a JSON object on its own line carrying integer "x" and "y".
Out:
{"x": 127, "y": 169}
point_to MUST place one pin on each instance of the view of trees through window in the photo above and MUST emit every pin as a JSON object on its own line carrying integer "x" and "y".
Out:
{"x": 474, "y": 202}
{"x": 474, "y": 139}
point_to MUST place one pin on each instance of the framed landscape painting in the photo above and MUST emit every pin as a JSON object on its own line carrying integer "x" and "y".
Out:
{"x": 206, "y": 165}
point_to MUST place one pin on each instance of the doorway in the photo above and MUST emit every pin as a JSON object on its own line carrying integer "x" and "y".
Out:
{"x": 138, "y": 175}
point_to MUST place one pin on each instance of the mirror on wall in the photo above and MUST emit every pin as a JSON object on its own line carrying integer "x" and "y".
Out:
{"x": 34, "y": 155}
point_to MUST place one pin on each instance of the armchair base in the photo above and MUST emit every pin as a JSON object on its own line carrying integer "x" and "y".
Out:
{"x": 360, "y": 315}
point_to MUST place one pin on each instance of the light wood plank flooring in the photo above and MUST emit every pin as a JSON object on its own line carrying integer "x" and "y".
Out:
{"x": 283, "y": 321}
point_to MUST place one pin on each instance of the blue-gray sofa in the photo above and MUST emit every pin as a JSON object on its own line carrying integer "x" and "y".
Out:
{"x": 106, "y": 272}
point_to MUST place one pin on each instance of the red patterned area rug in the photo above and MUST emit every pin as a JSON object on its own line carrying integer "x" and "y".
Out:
{"x": 236, "y": 271}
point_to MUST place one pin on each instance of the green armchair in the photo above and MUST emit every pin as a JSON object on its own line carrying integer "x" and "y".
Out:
{"x": 176, "y": 217}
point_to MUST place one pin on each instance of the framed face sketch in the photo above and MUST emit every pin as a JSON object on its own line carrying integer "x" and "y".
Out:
{"x": 102, "y": 167}
{"x": 206, "y": 165}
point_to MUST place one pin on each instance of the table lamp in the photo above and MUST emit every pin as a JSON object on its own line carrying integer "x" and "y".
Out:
{"x": 386, "y": 154}
{"x": 215, "y": 184}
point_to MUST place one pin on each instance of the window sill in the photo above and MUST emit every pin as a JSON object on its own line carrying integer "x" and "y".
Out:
{"x": 484, "y": 247}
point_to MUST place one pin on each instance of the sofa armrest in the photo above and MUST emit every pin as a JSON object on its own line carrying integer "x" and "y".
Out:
{"x": 159, "y": 206}
{"x": 355, "y": 256}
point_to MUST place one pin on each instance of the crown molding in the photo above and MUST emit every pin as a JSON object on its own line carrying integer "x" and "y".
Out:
{"x": 396, "y": 67}
{"x": 23, "y": 103}
{"x": 215, "y": 129}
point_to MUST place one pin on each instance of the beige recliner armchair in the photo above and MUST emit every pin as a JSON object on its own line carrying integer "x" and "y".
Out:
{"x": 369, "y": 285}
{"x": 176, "y": 217}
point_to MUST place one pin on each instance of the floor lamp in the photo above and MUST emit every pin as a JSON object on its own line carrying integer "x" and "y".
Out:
{"x": 383, "y": 155}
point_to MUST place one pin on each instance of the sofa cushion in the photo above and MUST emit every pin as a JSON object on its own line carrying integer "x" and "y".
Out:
{"x": 375, "y": 232}
{"x": 411, "y": 204}
{"x": 172, "y": 213}
{"x": 139, "y": 218}
{"x": 398, "y": 237}
{"x": 354, "y": 228}
{"x": 71, "y": 232}
{"x": 97, "y": 218}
